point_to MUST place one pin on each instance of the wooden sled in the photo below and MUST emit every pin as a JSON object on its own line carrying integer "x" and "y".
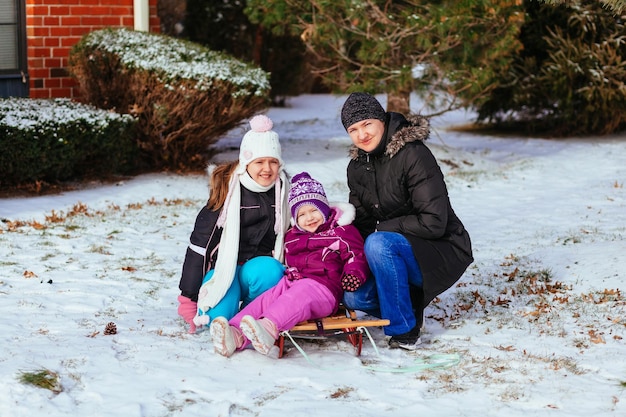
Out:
{"x": 343, "y": 323}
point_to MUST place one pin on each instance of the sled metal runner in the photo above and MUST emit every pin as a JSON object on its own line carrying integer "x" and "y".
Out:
{"x": 343, "y": 323}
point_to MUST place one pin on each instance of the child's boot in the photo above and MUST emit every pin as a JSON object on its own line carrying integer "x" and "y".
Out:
{"x": 226, "y": 338}
{"x": 262, "y": 333}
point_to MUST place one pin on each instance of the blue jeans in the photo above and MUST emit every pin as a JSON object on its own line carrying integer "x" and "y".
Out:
{"x": 252, "y": 279}
{"x": 386, "y": 294}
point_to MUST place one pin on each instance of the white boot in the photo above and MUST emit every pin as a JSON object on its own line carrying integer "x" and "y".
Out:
{"x": 223, "y": 335}
{"x": 260, "y": 333}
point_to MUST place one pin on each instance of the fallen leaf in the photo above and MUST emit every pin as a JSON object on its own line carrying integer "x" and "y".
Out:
{"x": 506, "y": 348}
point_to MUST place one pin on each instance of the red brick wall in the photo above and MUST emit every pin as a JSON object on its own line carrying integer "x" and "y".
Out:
{"x": 54, "y": 26}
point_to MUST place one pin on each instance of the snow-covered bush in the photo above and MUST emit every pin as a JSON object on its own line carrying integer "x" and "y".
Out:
{"x": 184, "y": 95}
{"x": 56, "y": 140}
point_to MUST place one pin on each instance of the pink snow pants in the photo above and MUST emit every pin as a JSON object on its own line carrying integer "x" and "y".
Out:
{"x": 290, "y": 302}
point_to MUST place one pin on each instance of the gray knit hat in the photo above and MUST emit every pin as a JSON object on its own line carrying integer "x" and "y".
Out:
{"x": 361, "y": 106}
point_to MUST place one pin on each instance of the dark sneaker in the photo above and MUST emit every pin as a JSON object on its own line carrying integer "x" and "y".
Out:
{"x": 406, "y": 341}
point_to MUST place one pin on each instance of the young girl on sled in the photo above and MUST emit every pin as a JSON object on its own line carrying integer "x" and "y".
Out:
{"x": 324, "y": 256}
{"x": 235, "y": 251}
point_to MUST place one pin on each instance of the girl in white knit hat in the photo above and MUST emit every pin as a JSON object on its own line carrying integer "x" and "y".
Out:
{"x": 236, "y": 247}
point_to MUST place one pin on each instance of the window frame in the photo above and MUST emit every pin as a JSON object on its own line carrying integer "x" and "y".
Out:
{"x": 10, "y": 78}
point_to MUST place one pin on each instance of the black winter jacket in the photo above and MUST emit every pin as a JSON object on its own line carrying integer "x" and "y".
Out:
{"x": 399, "y": 187}
{"x": 256, "y": 238}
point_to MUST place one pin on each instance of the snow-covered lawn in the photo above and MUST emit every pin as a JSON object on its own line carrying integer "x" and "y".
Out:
{"x": 537, "y": 323}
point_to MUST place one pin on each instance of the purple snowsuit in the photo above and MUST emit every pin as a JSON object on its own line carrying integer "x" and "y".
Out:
{"x": 321, "y": 259}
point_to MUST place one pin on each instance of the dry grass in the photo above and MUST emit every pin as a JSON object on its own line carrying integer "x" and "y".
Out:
{"x": 43, "y": 378}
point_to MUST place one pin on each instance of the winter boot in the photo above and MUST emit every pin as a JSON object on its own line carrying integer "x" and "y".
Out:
{"x": 407, "y": 341}
{"x": 262, "y": 333}
{"x": 226, "y": 338}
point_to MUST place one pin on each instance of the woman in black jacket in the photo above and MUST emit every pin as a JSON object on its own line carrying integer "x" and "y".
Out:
{"x": 415, "y": 244}
{"x": 236, "y": 247}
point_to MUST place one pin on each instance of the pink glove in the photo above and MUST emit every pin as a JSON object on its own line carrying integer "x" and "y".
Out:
{"x": 188, "y": 310}
{"x": 293, "y": 274}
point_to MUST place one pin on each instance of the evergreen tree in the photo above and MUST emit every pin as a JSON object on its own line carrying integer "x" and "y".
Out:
{"x": 223, "y": 26}
{"x": 400, "y": 46}
{"x": 618, "y": 6}
{"x": 570, "y": 77}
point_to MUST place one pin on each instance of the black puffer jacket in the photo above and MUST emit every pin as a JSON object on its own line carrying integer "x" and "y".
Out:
{"x": 399, "y": 187}
{"x": 256, "y": 238}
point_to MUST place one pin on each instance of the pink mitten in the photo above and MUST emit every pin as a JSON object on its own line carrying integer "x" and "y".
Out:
{"x": 350, "y": 283}
{"x": 187, "y": 310}
{"x": 293, "y": 274}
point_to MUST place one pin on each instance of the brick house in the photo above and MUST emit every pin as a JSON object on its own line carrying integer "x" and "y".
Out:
{"x": 37, "y": 35}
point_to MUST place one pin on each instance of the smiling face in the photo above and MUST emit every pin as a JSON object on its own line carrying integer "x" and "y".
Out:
{"x": 263, "y": 171}
{"x": 309, "y": 218}
{"x": 367, "y": 134}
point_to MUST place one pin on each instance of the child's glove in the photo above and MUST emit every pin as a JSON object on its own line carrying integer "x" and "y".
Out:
{"x": 187, "y": 309}
{"x": 350, "y": 282}
{"x": 293, "y": 274}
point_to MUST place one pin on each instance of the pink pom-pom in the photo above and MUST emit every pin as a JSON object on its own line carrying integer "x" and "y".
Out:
{"x": 261, "y": 123}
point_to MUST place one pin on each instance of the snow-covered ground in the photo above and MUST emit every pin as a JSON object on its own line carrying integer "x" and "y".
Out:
{"x": 535, "y": 327}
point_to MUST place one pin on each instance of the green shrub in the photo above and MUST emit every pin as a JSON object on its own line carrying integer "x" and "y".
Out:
{"x": 570, "y": 78}
{"x": 184, "y": 95}
{"x": 57, "y": 140}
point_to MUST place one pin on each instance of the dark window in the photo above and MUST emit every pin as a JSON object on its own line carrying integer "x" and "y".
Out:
{"x": 13, "y": 69}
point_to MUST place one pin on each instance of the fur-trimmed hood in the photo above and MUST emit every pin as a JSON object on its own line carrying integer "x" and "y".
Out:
{"x": 402, "y": 131}
{"x": 344, "y": 213}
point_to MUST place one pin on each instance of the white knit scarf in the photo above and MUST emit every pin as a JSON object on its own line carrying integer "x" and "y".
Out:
{"x": 214, "y": 289}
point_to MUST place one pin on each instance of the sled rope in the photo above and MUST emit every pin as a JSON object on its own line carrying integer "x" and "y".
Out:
{"x": 297, "y": 346}
{"x": 369, "y": 336}
{"x": 435, "y": 361}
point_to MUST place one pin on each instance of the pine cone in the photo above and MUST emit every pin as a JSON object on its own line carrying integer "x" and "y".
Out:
{"x": 111, "y": 328}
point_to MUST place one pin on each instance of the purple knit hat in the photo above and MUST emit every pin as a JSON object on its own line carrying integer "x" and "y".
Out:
{"x": 306, "y": 190}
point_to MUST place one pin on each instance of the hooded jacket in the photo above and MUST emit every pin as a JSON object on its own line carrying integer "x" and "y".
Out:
{"x": 399, "y": 187}
{"x": 334, "y": 250}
